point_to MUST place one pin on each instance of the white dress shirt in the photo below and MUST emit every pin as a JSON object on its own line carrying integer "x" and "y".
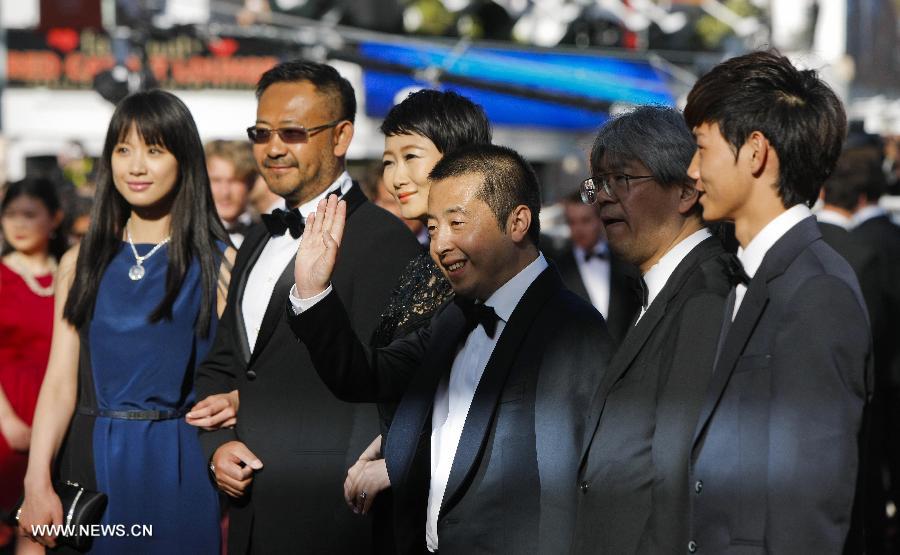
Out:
{"x": 277, "y": 204}
{"x": 243, "y": 220}
{"x": 867, "y": 213}
{"x": 658, "y": 274}
{"x": 828, "y": 216}
{"x": 751, "y": 257}
{"x": 595, "y": 274}
{"x": 277, "y": 253}
{"x": 455, "y": 393}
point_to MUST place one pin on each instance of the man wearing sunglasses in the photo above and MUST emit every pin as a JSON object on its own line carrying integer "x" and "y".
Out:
{"x": 634, "y": 466}
{"x": 284, "y": 461}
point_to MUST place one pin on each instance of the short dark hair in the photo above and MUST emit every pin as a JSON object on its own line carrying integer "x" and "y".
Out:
{"x": 447, "y": 119}
{"x": 856, "y": 173}
{"x": 797, "y": 112}
{"x": 326, "y": 79}
{"x": 654, "y": 135}
{"x": 509, "y": 181}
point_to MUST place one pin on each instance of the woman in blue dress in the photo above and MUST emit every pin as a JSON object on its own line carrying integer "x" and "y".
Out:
{"x": 136, "y": 310}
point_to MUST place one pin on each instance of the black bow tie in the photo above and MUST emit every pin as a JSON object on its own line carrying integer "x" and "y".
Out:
{"x": 599, "y": 255}
{"x": 735, "y": 272}
{"x": 280, "y": 221}
{"x": 478, "y": 314}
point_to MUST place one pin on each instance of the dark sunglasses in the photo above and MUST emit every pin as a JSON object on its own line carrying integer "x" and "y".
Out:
{"x": 289, "y": 135}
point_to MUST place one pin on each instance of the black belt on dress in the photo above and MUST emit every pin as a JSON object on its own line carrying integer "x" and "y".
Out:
{"x": 134, "y": 414}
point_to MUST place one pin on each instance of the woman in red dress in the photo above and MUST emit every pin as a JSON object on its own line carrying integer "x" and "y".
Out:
{"x": 29, "y": 216}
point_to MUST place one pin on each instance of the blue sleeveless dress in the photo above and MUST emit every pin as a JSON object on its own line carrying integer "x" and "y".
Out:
{"x": 161, "y": 498}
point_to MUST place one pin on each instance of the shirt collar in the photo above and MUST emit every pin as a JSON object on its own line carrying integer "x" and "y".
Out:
{"x": 601, "y": 248}
{"x": 340, "y": 186}
{"x": 867, "y": 213}
{"x": 658, "y": 274}
{"x": 277, "y": 204}
{"x": 827, "y": 216}
{"x": 751, "y": 257}
{"x": 505, "y": 299}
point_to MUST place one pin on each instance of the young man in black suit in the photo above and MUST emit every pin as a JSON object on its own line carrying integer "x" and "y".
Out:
{"x": 593, "y": 272}
{"x": 283, "y": 463}
{"x": 484, "y": 446}
{"x": 635, "y": 464}
{"x": 776, "y": 455}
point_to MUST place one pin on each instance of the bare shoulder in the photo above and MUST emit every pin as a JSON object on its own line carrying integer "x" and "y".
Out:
{"x": 67, "y": 263}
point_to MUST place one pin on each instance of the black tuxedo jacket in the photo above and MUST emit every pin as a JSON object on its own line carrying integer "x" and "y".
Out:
{"x": 305, "y": 437}
{"x": 634, "y": 473}
{"x": 624, "y": 301}
{"x": 509, "y": 489}
{"x": 775, "y": 457}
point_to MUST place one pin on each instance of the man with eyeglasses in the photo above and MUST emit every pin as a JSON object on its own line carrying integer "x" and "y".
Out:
{"x": 284, "y": 461}
{"x": 634, "y": 467}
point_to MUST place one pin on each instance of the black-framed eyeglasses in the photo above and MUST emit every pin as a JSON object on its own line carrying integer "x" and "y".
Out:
{"x": 614, "y": 185}
{"x": 289, "y": 135}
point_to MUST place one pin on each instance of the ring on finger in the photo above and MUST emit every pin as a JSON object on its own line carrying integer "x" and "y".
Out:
{"x": 363, "y": 495}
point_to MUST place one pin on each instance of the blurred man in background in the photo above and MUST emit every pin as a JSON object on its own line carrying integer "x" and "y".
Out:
{"x": 232, "y": 172}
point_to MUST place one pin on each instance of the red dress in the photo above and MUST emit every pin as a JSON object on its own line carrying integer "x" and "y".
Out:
{"x": 26, "y": 325}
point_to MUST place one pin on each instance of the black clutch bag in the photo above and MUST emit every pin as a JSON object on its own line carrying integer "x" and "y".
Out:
{"x": 81, "y": 509}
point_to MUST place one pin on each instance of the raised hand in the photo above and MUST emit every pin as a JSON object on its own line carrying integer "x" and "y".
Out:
{"x": 319, "y": 247}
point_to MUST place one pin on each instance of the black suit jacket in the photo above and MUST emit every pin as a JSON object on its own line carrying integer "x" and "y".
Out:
{"x": 867, "y": 264}
{"x": 305, "y": 437}
{"x": 634, "y": 470}
{"x": 624, "y": 301}
{"x": 883, "y": 235}
{"x": 775, "y": 458}
{"x": 509, "y": 489}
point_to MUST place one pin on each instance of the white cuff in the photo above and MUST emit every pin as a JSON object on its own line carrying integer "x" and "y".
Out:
{"x": 300, "y": 305}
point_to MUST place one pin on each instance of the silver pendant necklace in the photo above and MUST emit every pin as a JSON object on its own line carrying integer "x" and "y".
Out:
{"x": 136, "y": 271}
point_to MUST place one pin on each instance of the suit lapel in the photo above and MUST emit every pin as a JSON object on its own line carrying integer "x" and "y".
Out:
{"x": 401, "y": 445}
{"x": 568, "y": 269}
{"x": 638, "y": 335}
{"x": 487, "y": 393}
{"x": 624, "y": 303}
{"x": 254, "y": 244}
{"x": 275, "y": 310}
{"x": 631, "y": 346}
{"x": 775, "y": 262}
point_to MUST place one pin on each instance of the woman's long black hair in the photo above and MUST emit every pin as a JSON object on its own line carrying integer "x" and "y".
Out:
{"x": 43, "y": 190}
{"x": 160, "y": 118}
